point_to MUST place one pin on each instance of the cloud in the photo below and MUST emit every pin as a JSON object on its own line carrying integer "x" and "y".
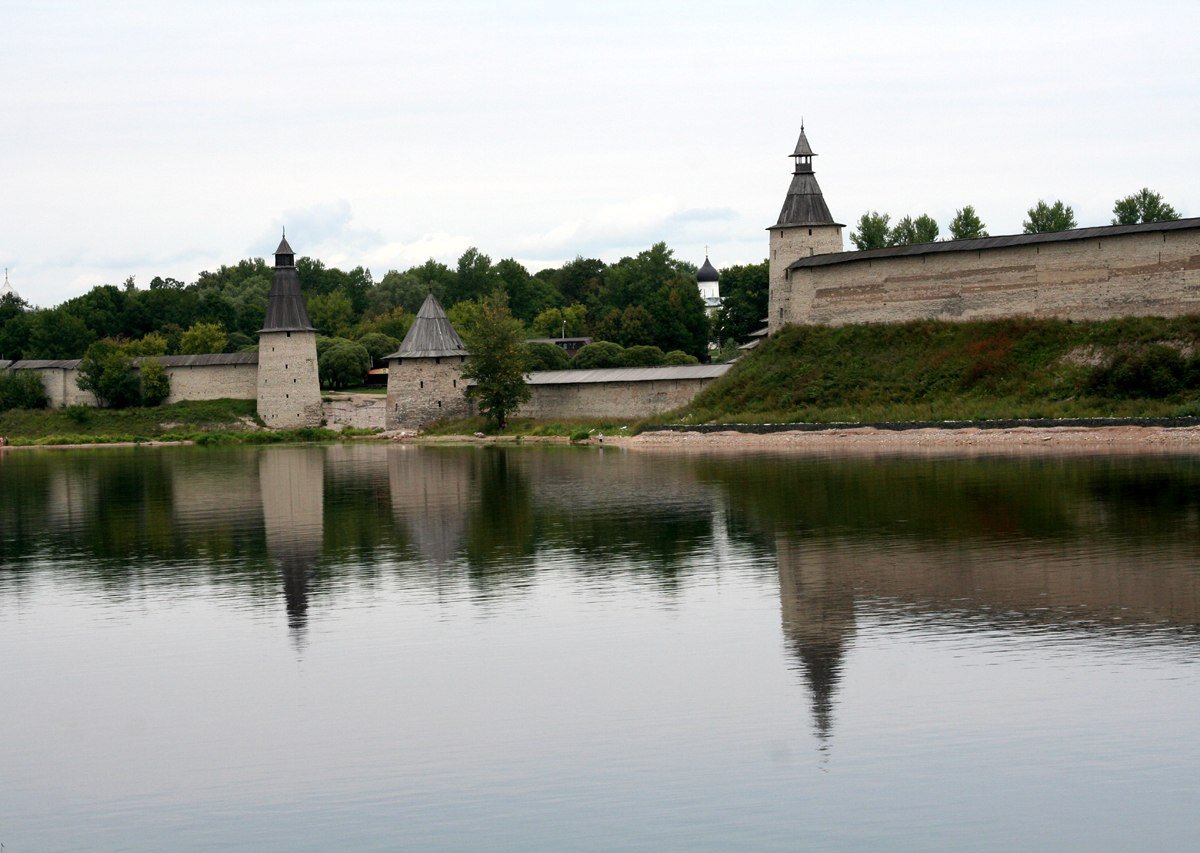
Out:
{"x": 618, "y": 228}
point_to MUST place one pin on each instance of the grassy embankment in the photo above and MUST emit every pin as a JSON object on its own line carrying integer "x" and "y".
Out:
{"x": 931, "y": 370}
{"x": 205, "y": 422}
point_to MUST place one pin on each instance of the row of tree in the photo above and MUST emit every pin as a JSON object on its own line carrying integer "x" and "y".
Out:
{"x": 875, "y": 231}
{"x": 648, "y": 299}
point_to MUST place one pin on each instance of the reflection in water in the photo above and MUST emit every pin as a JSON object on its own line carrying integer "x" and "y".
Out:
{"x": 818, "y": 624}
{"x": 292, "y": 483}
{"x": 505, "y": 627}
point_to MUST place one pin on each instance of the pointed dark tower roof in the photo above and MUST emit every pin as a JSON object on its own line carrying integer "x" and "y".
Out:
{"x": 707, "y": 272}
{"x": 286, "y": 311}
{"x": 804, "y": 205}
{"x": 431, "y": 334}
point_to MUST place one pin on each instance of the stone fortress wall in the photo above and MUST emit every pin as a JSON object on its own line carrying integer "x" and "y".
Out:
{"x": 1086, "y": 274}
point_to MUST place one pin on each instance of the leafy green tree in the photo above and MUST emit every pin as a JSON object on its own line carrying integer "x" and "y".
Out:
{"x": 872, "y": 231}
{"x": 544, "y": 356}
{"x": 202, "y": 338}
{"x": 15, "y": 325}
{"x": 966, "y": 225}
{"x": 342, "y": 364}
{"x": 1143, "y": 206}
{"x": 923, "y": 229}
{"x": 57, "y": 333}
{"x": 598, "y": 354}
{"x": 570, "y": 322}
{"x": 156, "y": 384}
{"x": 21, "y": 389}
{"x": 637, "y": 327}
{"x": 331, "y": 313}
{"x": 379, "y": 346}
{"x": 745, "y": 291}
{"x": 108, "y": 372}
{"x": 498, "y": 361}
{"x": 394, "y": 323}
{"x": 152, "y": 343}
{"x": 464, "y": 315}
{"x": 527, "y": 296}
{"x": 475, "y": 277}
{"x": 643, "y": 356}
{"x": 1045, "y": 217}
{"x": 580, "y": 281}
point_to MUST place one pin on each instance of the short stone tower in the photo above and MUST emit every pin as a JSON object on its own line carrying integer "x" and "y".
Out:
{"x": 805, "y": 227}
{"x": 289, "y": 391}
{"x": 425, "y": 381}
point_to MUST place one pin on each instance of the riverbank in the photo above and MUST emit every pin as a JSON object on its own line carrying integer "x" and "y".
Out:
{"x": 969, "y": 440}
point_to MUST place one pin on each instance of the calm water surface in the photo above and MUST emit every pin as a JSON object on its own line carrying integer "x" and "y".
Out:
{"x": 369, "y": 647}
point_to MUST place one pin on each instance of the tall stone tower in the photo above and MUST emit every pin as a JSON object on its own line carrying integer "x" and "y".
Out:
{"x": 805, "y": 227}
{"x": 289, "y": 392}
{"x": 425, "y": 381}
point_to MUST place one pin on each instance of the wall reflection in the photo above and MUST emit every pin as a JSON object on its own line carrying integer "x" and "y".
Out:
{"x": 1088, "y": 547}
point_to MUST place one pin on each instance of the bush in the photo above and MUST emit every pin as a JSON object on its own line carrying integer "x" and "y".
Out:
{"x": 1153, "y": 371}
{"x": 21, "y": 389}
{"x": 108, "y": 372}
{"x": 156, "y": 384}
{"x": 643, "y": 356}
{"x": 379, "y": 346}
{"x": 598, "y": 354}
{"x": 678, "y": 356}
{"x": 78, "y": 414}
{"x": 544, "y": 356}
{"x": 343, "y": 364}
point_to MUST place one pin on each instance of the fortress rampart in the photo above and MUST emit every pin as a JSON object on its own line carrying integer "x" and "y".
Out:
{"x": 1151, "y": 269}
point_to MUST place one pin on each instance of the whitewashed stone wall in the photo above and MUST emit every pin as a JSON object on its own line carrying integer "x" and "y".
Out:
{"x": 213, "y": 382}
{"x": 1145, "y": 274}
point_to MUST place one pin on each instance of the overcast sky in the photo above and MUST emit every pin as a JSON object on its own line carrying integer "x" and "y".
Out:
{"x": 167, "y": 138}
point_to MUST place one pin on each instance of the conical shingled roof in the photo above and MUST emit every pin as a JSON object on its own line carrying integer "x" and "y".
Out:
{"x": 431, "y": 334}
{"x": 707, "y": 272}
{"x": 286, "y": 311}
{"x": 803, "y": 149}
{"x": 804, "y": 205}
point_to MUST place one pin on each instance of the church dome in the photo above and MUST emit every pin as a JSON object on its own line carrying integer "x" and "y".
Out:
{"x": 707, "y": 272}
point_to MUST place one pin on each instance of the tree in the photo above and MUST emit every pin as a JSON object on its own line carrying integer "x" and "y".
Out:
{"x": 544, "y": 356}
{"x": 58, "y": 334}
{"x": 570, "y": 322}
{"x": 745, "y": 292}
{"x": 342, "y": 364}
{"x": 151, "y": 343}
{"x": 379, "y": 346}
{"x": 108, "y": 372}
{"x": 643, "y": 356}
{"x": 476, "y": 277}
{"x": 966, "y": 225}
{"x": 923, "y": 229}
{"x": 679, "y": 357}
{"x": 872, "y": 231}
{"x": 202, "y": 338}
{"x": 498, "y": 361}
{"x": 1045, "y": 217}
{"x": 156, "y": 384}
{"x": 598, "y": 354}
{"x": 331, "y": 313}
{"x": 1143, "y": 206}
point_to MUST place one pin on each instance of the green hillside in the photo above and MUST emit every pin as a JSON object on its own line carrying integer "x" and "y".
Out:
{"x": 933, "y": 370}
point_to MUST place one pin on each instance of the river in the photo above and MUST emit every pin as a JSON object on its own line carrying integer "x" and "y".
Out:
{"x": 489, "y": 648}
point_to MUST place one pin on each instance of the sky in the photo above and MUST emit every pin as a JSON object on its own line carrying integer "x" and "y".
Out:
{"x": 156, "y": 139}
